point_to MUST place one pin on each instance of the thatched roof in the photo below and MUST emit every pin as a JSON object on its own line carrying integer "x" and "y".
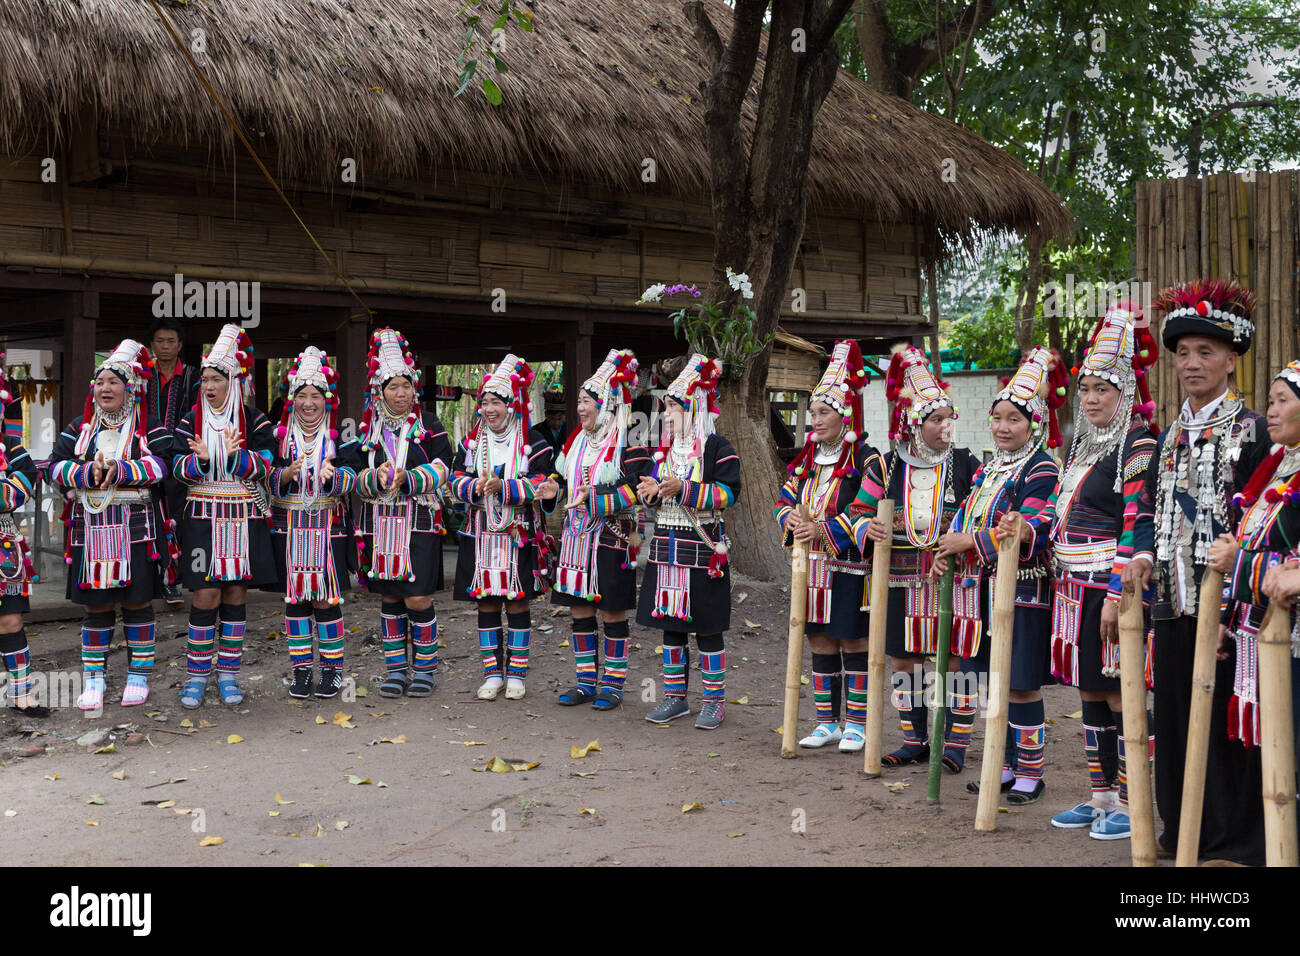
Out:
{"x": 599, "y": 86}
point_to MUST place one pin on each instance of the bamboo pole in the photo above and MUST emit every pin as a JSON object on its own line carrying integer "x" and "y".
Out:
{"x": 1133, "y": 687}
{"x": 794, "y": 653}
{"x": 995, "y": 721}
{"x": 943, "y": 646}
{"x": 1198, "y": 729}
{"x": 876, "y": 642}
{"x": 1277, "y": 739}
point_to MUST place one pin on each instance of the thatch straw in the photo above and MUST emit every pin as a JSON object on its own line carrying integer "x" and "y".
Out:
{"x": 598, "y": 87}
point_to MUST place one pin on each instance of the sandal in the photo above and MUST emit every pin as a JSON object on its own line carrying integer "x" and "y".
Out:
{"x": 607, "y": 699}
{"x": 974, "y": 785}
{"x": 394, "y": 684}
{"x": 1018, "y": 798}
{"x": 31, "y": 710}
{"x": 579, "y": 694}
{"x": 229, "y": 689}
{"x": 905, "y": 755}
{"x": 136, "y": 691}
{"x": 192, "y": 692}
{"x": 422, "y": 684}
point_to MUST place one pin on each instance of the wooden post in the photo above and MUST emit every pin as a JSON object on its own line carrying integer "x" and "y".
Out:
{"x": 79, "y": 312}
{"x": 1133, "y": 687}
{"x": 794, "y": 652}
{"x": 1198, "y": 728}
{"x": 351, "y": 343}
{"x": 876, "y": 642}
{"x": 995, "y": 721}
{"x": 1277, "y": 739}
{"x": 577, "y": 367}
{"x": 943, "y": 645}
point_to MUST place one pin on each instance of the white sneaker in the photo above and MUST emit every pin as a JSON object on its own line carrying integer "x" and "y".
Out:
{"x": 853, "y": 741}
{"x": 489, "y": 689}
{"x": 514, "y": 688}
{"x": 822, "y": 735}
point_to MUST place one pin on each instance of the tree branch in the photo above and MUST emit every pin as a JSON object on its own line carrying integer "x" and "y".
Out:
{"x": 916, "y": 59}
{"x": 706, "y": 34}
{"x": 822, "y": 26}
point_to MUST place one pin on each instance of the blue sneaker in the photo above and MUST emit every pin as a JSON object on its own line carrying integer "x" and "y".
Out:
{"x": 1079, "y": 817}
{"x": 1113, "y": 826}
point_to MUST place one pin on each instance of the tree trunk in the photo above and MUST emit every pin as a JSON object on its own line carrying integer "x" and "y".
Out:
{"x": 1028, "y": 302}
{"x": 758, "y": 206}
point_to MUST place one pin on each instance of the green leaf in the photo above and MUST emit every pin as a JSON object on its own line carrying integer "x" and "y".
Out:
{"x": 492, "y": 92}
{"x": 466, "y": 76}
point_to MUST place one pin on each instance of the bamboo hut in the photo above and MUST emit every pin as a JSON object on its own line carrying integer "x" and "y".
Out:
{"x": 530, "y": 226}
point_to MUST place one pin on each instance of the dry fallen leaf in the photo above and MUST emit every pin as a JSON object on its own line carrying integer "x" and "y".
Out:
{"x": 525, "y": 764}
{"x": 361, "y": 692}
{"x": 118, "y": 775}
{"x": 91, "y": 823}
{"x": 211, "y": 841}
{"x": 497, "y": 765}
{"x": 1078, "y": 714}
{"x": 749, "y": 623}
{"x": 97, "y": 800}
{"x": 54, "y": 776}
{"x": 732, "y": 836}
{"x": 234, "y": 739}
{"x": 340, "y": 824}
{"x": 187, "y": 722}
{"x": 165, "y": 804}
{"x": 587, "y": 811}
{"x": 283, "y": 802}
{"x": 272, "y": 813}
{"x": 320, "y": 719}
{"x": 206, "y": 723}
{"x": 659, "y": 648}
{"x": 562, "y": 644}
{"x": 380, "y": 713}
{"x": 181, "y": 811}
{"x": 356, "y": 780}
{"x": 320, "y": 830}
{"x": 11, "y": 813}
{"x": 688, "y": 807}
{"x": 895, "y": 786}
{"x": 399, "y": 739}
{"x": 381, "y": 785}
{"x": 577, "y": 753}
{"x": 344, "y": 720}
{"x": 803, "y": 680}
{"x": 110, "y": 749}
{"x": 590, "y": 773}
{"x": 741, "y": 700}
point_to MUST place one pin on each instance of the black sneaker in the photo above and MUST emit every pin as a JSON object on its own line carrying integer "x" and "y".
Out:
{"x": 331, "y": 682}
{"x": 172, "y": 594}
{"x": 301, "y": 686}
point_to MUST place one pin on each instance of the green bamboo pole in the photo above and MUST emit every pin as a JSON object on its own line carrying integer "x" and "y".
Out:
{"x": 944, "y": 642}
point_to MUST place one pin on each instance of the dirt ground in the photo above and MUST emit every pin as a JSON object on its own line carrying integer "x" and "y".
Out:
{"x": 427, "y": 800}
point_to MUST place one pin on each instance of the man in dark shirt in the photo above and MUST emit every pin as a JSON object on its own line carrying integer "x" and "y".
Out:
{"x": 173, "y": 391}
{"x": 1207, "y": 455}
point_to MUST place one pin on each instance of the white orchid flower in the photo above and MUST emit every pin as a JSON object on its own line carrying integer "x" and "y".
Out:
{"x": 652, "y": 294}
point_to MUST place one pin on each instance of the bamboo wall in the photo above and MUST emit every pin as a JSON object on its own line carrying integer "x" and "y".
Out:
{"x": 1225, "y": 226}
{"x": 462, "y": 232}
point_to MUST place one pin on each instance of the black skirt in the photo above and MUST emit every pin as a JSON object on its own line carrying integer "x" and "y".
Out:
{"x": 146, "y": 580}
{"x": 465, "y": 572}
{"x": 15, "y": 604}
{"x": 1090, "y": 676}
{"x": 710, "y": 602}
{"x": 1031, "y": 646}
{"x": 196, "y": 538}
{"x": 339, "y": 547}
{"x": 426, "y": 559}
{"x": 848, "y": 621}
{"x": 895, "y": 625}
{"x": 617, "y": 584}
